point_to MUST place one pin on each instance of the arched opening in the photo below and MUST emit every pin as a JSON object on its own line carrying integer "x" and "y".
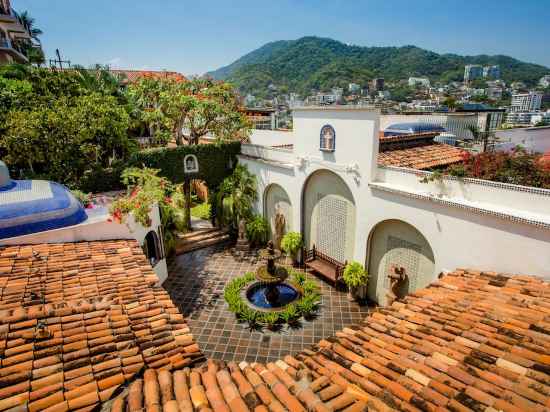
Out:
{"x": 152, "y": 248}
{"x": 396, "y": 244}
{"x": 328, "y": 215}
{"x": 278, "y": 212}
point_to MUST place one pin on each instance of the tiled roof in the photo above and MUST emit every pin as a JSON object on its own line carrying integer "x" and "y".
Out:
{"x": 472, "y": 341}
{"x": 134, "y": 75}
{"x": 77, "y": 320}
{"x": 422, "y": 157}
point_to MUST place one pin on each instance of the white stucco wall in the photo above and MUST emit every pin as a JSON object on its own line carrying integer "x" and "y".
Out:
{"x": 533, "y": 139}
{"x": 271, "y": 137}
{"x": 467, "y": 223}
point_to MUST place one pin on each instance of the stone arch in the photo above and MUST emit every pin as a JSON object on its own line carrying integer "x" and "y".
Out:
{"x": 394, "y": 242}
{"x": 277, "y": 201}
{"x": 328, "y": 215}
{"x": 152, "y": 248}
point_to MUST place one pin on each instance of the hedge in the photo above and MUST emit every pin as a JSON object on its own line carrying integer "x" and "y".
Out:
{"x": 216, "y": 161}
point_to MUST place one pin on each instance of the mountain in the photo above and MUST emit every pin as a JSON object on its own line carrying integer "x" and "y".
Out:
{"x": 321, "y": 63}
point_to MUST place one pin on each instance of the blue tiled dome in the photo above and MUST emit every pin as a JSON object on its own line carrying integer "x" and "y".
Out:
{"x": 412, "y": 128}
{"x": 31, "y": 206}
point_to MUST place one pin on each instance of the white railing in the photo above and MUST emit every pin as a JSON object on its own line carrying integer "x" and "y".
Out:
{"x": 274, "y": 154}
{"x": 494, "y": 195}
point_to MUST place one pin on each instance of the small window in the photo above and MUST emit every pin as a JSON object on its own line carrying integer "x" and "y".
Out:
{"x": 328, "y": 139}
{"x": 152, "y": 248}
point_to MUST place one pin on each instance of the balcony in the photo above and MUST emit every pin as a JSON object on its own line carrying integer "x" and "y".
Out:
{"x": 12, "y": 49}
{"x": 8, "y": 15}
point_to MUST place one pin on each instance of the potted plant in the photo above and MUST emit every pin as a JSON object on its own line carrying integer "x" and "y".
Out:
{"x": 355, "y": 277}
{"x": 257, "y": 230}
{"x": 291, "y": 244}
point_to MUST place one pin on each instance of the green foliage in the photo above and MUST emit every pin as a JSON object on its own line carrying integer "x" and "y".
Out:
{"x": 53, "y": 126}
{"x": 146, "y": 189}
{"x": 306, "y": 306}
{"x": 355, "y": 275}
{"x": 291, "y": 243}
{"x": 312, "y": 62}
{"x": 201, "y": 106}
{"x": 214, "y": 160}
{"x": 201, "y": 211}
{"x": 67, "y": 138}
{"x": 257, "y": 230}
{"x": 236, "y": 195}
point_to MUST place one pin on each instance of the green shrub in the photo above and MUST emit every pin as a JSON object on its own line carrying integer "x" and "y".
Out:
{"x": 201, "y": 211}
{"x": 291, "y": 243}
{"x": 305, "y": 306}
{"x": 257, "y": 230}
{"x": 355, "y": 275}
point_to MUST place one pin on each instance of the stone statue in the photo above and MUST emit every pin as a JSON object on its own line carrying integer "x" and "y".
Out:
{"x": 397, "y": 277}
{"x": 242, "y": 241}
{"x": 242, "y": 230}
{"x": 280, "y": 223}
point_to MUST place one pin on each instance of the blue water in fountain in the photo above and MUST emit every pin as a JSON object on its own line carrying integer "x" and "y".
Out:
{"x": 287, "y": 294}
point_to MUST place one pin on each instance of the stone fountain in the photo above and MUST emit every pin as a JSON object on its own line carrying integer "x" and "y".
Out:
{"x": 271, "y": 292}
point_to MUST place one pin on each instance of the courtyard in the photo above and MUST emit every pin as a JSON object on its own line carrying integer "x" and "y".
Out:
{"x": 196, "y": 283}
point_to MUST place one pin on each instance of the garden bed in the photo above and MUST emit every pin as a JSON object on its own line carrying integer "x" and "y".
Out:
{"x": 306, "y": 306}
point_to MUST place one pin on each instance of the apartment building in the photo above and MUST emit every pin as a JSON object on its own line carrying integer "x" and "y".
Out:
{"x": 15, "y": 40}
{"x": 526, "y": 102}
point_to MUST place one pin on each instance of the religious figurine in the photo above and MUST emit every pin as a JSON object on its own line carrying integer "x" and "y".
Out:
{"x": 280, "y": 223}
{"x": 397, "y": 277}
{"x": 242, "y": 241}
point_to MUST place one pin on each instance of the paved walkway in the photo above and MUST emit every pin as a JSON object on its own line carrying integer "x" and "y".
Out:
{"x": 196, "y": 283}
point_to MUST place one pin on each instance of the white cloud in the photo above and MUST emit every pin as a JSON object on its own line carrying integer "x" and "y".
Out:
{"x": 114, "y": 63}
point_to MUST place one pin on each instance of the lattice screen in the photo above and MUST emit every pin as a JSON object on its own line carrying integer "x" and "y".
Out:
{"x": 405, "y": 254}
{"x": 332, "y": 225}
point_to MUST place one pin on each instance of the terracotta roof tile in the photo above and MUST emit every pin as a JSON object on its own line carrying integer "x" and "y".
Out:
{"x": 472, "y": 341}
{"x": 422, "y": 157}
{"x": 78, "y": 320}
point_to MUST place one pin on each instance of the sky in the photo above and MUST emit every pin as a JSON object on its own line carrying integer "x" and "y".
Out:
{"x": 193, "y": 37}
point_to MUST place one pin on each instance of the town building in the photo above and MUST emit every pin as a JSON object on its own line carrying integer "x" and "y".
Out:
{"x": 262, "y": 118}
{"x": 494, "y": 93}
{"x": 15, "y": 39}
{"x": 526, "y": 102}
{"x": 377, "y": 84}
{"x": 421, "y": 81}
{"x": 354, "y": 88}
{"x": 491, "y": 72}
{"x": 473, "y": 72}
{"x": 457, "y": 123}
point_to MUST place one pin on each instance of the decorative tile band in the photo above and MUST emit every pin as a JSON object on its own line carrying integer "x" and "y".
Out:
{"x": 476, "y": 210}
{"x": 481, "y": 182}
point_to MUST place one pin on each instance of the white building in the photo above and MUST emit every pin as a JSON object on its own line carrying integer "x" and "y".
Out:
{"x": 351, "y": 208}
{"x": 421, "y": 81}
{"x": 526, "y": 118}
{"x": 526, "y": 102}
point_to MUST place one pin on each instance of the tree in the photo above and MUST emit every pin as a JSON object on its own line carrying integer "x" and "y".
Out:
{"x": 239, "y": 191}
{"x": 28, "y": 22}
{"x": 450, "y": 102}
{"x": 64, "y": 139}
{"x": 100, "y": 80}
{"x": 190, "y": 109}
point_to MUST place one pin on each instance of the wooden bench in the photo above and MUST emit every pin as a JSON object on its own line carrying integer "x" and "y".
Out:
{"x": 324, "y": 265}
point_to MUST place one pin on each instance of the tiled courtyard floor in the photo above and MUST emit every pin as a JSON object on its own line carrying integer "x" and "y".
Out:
{"x": 196, "y": 283}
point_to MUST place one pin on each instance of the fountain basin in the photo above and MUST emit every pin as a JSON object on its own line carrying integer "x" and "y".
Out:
{"x": 257, "y": 296}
